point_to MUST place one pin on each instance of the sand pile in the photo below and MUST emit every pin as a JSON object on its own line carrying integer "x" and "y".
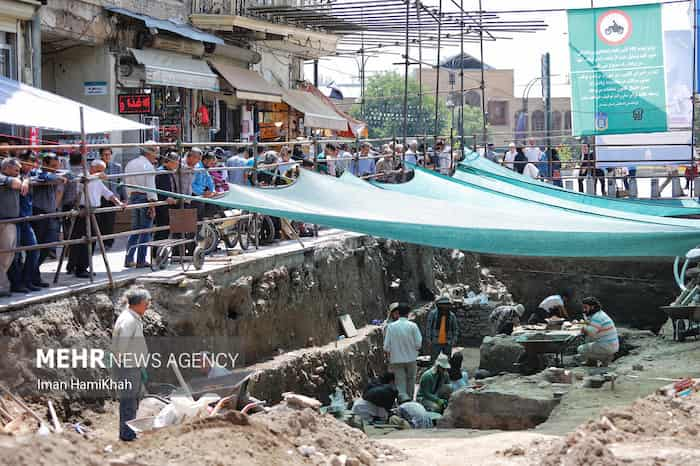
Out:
{"x": 282, "y": 436}
{"x": 653, "y": 430}
{"x": 322, "y": 437}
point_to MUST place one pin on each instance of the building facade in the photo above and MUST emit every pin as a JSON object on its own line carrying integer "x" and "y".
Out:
{"x": 503, "y": 107}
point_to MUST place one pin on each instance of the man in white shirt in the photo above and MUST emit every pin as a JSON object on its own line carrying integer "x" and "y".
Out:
{"x": 551, "y": 306}
{"x": 532, "y": 152}
{"x": 402, "y": 342}
{"x": 531, "y": 171}
{"x": 412, "y": 153}
{"x": 509, "y": 157}
{"x": 96, "y": 191}
{"x": 130, "y": 352}
{"x": 444, "y": 155}
{"x": 141, "y": 218}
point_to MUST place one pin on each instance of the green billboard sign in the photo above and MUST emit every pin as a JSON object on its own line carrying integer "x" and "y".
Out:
{"x": 617, "y": 70}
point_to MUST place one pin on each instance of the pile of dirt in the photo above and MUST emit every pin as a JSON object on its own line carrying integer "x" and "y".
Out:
{"x": 653, "y": 430}
{"x": 281, "y": 436}
{"x": 50, "y": 450}
{"x": 321, "y": 437}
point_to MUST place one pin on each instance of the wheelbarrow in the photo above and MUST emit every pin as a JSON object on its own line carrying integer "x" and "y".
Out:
{"x": 685, "y": 321}
{"x": 539, "y": 344}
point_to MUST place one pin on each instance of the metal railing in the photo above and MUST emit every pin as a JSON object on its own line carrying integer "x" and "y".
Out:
{"x": 398, "y": 170}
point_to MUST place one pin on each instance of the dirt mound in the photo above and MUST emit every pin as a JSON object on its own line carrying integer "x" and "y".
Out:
{"x": 282, "y": 436}
{"x": 51, "y": 450}
{"x": 326, "y": 435}
{"x": 651, "y": 430}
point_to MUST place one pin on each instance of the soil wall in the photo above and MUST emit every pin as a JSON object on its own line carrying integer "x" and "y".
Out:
{"x": 631, "y": 291}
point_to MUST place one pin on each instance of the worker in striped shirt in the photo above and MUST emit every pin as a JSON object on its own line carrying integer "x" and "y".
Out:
{"x": 601, "y": 334}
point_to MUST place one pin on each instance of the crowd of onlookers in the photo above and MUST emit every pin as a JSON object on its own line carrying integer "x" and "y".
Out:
{"x": 34, "y": 184}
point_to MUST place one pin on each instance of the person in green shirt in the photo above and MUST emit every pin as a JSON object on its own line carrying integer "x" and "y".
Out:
{"x": 432, "y": 390}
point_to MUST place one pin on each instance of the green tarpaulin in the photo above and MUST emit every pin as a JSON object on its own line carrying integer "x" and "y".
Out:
{"x": 467, "y": 188}
{"x": 488, "y": 225}
{"x": 482, "y": 167}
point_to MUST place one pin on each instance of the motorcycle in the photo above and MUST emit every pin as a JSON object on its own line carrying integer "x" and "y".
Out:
{"x": 614, "y": 27}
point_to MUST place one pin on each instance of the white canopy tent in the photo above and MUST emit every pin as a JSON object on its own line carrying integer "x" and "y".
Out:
{"x": 25, "y": 105}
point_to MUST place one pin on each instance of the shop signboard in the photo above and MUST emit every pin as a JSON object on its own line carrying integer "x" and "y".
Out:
{"x": 134, "y": 104}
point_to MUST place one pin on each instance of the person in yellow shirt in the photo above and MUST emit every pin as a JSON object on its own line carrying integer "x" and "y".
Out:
{"x": 441, "y": 328}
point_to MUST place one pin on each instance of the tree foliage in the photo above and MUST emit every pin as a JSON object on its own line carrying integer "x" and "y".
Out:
{"x": 384, "y": 108}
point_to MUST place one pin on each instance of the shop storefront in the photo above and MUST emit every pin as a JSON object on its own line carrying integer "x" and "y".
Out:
{"x": 172, "y": 91}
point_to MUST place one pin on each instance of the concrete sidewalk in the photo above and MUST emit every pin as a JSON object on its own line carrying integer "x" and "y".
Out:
{"x": 69, "y": 284}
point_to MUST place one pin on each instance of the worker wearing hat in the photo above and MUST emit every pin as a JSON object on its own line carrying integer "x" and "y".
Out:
{"x": 432, "y": 393}
{"x": 441, "y": 328}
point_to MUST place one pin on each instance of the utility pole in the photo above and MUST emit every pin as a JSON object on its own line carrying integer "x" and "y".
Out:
{"x": 547, "y": 97}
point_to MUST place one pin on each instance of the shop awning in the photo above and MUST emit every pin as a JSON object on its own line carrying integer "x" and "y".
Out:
{"x": 181, "y": 29}
{"x": 316, "y": 113}
{"x": 25, "y": 105}
{"x": 176, "y": 69}
{"x": 248, "y": 84}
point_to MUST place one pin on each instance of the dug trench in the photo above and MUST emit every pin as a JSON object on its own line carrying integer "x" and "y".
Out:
{"x": 280, "y": 314}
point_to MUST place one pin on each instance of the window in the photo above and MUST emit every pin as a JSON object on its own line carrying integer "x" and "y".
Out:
{"x": 567, "y": 120}
{"x": 498, "y": 112}
{"x": 556, "y": 120}
{"x": 538, "y": 120}
{"x": 8, "y": 65}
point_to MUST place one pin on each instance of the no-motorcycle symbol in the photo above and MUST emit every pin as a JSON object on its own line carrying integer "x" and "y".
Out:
{"x": 614, "y": 27}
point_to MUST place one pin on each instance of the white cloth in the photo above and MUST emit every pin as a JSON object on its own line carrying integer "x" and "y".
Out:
{"x": 96, "y": 191}
{"x": 509, "y": 159}
{"x": 140, "y": 165}
{"x": 128, "y": 341}
{"x": 533, "y": 154}
{"x": 531, "y": 171}
{"x": 402, "y": 341}
{"x": 552, "y": 302}
{"x": 368, "y": 411}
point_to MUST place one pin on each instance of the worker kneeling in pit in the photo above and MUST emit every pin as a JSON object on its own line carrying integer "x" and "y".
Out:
{"x": 434, "y": 389}
{"x": 601, "y": 334}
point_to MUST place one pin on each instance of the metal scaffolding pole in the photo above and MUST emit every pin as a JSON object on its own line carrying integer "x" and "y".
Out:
{"x": 405, "y": 81}
{"x": 461, "y": 78}
{"x": 437, "y": 68}
{"x": 483, "y": 82}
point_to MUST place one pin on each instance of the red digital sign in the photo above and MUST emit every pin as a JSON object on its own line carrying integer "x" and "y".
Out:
{"x": 134, "y": 104}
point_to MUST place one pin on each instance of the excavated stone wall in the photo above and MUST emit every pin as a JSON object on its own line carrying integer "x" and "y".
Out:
{"x": 263, "y": 307}
{"x": 631, "y": 290}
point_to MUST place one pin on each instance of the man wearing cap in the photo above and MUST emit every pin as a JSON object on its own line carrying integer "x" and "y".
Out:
{"x": 490, "y": 153}
{"x": 441, "y": 327}
{"x": 434, "y": 388}
{"x": 402, "y": 341}
{"x": 144, "y": 176}
{"x": 505, "y": 318}
{"x": 601, "y": 334}
{"x": 391, "y": 317}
